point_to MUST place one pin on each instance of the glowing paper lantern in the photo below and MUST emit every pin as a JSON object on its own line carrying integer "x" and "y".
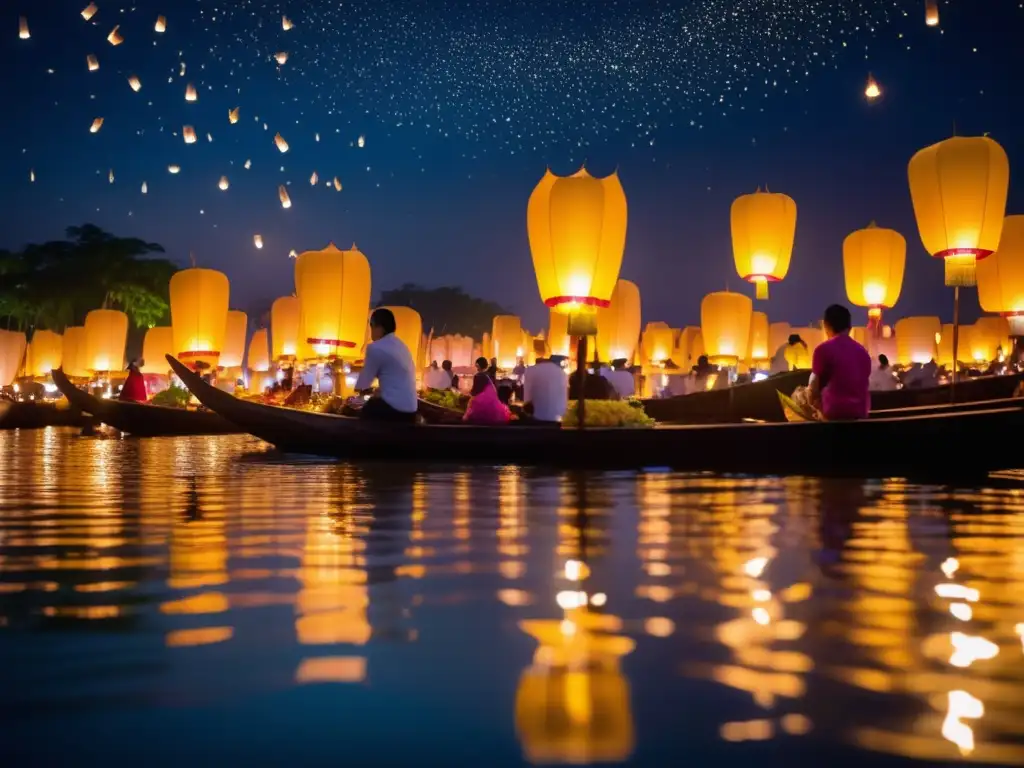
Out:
{"x": 558, "y": 333}
{"x": 758, "y": 353}
{"x": 657, "y": 343}
{"x": 282, "y": 193}
{"x": 916, "y": 339}
{"x": 1001, "y": 276}
{"x": 189, "y": 133}
{"x": 931, "y": 13}
{"x": 199, "y": 309}
{"x": 44, "y": 353}
{"x": 96, "y": 125}
{"x": 12, "y": 351}
{"x": 456, "y": 348}
{"x": 725, "y": 325}
{"x": 874, "y": 259}
{"x": 989, "y": 339}
{"x": 73, "y": 352}
{"x": 333, "y": 288}
{"x": 90, "y": 11}
{"x": 763, "y": 230}
{"x": 577, "y": 232}
{"x": 285, "y": 314}
{"x": 23, "y": 33}
{"x": 286, "y": 23}
{"x": 944, "y": 346}
{"x": 92, "y": 62}
{"x": 135, "y": 83}
{"x": 408, "y": 328}
{"x": 618, "y": 326}
{"x": 258, "y": 358}
{"x": 281, "y": 57}
{"x": 190, "y": 93}
{"x": 778, "y": 334}
{"x": 282, "y": 145}
{"x": 106, "y": 332}
{"x": 115, "y": 37}
{"x": 959, "y": 188}
{"x": 161, "y": 24}
{"x": 158, "y": 343}
{"x": 507, "y": 340}
{"x": 689, "y": 347}
{"x": 234, "y": 340}
{"x": 872, "y": 90}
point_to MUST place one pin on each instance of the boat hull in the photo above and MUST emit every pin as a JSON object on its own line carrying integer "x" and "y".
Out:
{"x": 931, "y": 445}
{"x": 20, "y": 415}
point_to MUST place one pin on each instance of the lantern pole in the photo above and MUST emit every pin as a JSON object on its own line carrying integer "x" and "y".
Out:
{"x": 956, "y": 341}
{"x": 581, "y": 380}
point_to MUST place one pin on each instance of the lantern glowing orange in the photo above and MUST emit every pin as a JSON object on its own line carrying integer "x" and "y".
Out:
{"x": 618, "y": 326}
{"x": 1001, "y": 276}
{"x": 944, "y": 346}
{"x": 73, "y": 352}
{"x": 778, "y": 334}
{"x": 235, "y": 331}
{"x": 577, "y": 231}
{"x": 758, "y": 353}
{"x": 800, "y": 357}
{"x": 558, "y": 333}
{"x": 989, "y": 339}
{"x": 158, "y": 343}
{"x": 931, "y": 13}
{"x": 285, "y": 314}
{"x": 12, "y": 352}
{"x": 409, "y": 328}
{"x": 763, "y": 229}
{"x": 725, "y": 325}
{"x": 456, "y": 348}
{"x": 258, "y": 358}
{"x": 507, "y": 340}
{"x": 43, "y": 354}
{"x": 959, "y": 188}
{"x": 333, "y": 287}
{"x": 874, "y": 259}
{"x": 689, "y": 347}
{"x": 106, "y": 332}
{"x": 199, "y": 310}
{"x": 657, "y": 343}
{"x": 916, "y": 339}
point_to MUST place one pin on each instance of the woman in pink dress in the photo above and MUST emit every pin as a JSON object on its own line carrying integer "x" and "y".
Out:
{"x": 484, "y": 405}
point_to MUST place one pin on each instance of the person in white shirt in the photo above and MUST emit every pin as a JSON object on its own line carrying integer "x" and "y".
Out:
{"x": 435, "y": 378}
{"x": 882, "y": 379}
{"x": 620, "y": 378}
{"x": 546, "y": 390}
{"x": 389, "y": 362}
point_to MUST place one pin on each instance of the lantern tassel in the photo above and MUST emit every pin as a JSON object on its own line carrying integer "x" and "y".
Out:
{"x": 961, "y": 271}
{"x": 761, "y": 286}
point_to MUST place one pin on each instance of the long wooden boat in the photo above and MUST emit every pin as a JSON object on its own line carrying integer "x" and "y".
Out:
{"x": 759, "y": 400}
{"x": 143, "y": 419}
{"x": 36, "y": 415}
{"x": 943, "y": 445}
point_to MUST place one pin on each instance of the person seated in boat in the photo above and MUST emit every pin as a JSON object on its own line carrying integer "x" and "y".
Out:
{"x": 453, "y": 380}
{"x": 492, "y": 370}
{"x": 595, "y": 386}
{"x": 389, "y": 362}
{"x": 883, "y": 378}
{"x": 921, "y": 376}
{"x": 704, "y": 376}
{"x": 620, "y": 378}
{"x": 546, "y": 391}
{"x": 791, "y": 356}
{"x": 484, "y": 405}
{"x": 840, "y": 370}
{"x": 134, "y": 388}
{"x": 435, "y": 378}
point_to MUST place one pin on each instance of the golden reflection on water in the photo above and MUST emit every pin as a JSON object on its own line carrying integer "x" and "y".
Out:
{"x": 883, "y": 616}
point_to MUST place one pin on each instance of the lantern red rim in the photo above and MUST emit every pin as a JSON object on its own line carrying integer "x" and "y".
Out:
{"x": 590, "y": 301}
{"x": 332, "y": 343}
{"x": 201, "y": 353}
{"x": 766, "y": 278}
{"x": 977, "y": 253}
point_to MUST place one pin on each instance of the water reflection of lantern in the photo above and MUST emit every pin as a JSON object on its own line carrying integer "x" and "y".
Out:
{"x": 989, "y": 339}
{"x": 73, "y": 352}
{"x": 12, "y": 351}
{"x": 106, "y": 332}
{"x": 558, "y": 333}
{"x": 874, "y": 259}
{"x": 577, "y": 231}
{"x": 158, "y": 343}
{"x": 259, "y": 352}
{"x": 1001, "y": 276}
{"x": 506, "y": 340}
{"x": 916, "y": 339}
{"x": 284, "y": 328}
{"x": 758, "y": 352}
{"x": 931, "y": 13}
{"x": 408, "y": 328}
{"x": 43, "y": 354}
{"x": 725, "y": 325}
{"x": 618, "y": 327}
{"x": 199, "y": 309}
{"x": 763, "y": 230}
{"x": 333, "y": 288}
{"x": 235, "y": 331}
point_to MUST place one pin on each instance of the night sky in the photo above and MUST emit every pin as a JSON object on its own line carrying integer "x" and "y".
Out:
{"x": 462, "y": 105}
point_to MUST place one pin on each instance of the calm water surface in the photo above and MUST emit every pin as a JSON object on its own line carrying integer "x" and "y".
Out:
{"x": 205, "y": 601}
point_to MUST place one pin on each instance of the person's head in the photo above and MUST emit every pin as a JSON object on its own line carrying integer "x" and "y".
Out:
{"x": 481, "y": 364}
{"x": 446, "y": 366}
{"x": 794, "y": 339}
{"x": 494, "y": 362}
{"x": 619, "y": 364}
{"x": 382, "y": 322}
{"x": 702, "y": 363}
{"x": 883, "y": 361}
{"x": 541, "y": 360}
{"x": 836, "y": 320}
{"x": 433, "y": 365}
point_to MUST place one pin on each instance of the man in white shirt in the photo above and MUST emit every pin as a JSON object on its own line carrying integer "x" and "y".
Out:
{"x": 546, "y": 390}
{"x": 389, "y": 362}
{"x": 882, "y": 379}
{"x": 435, "y": 378}
{"x": 620, "y": 378}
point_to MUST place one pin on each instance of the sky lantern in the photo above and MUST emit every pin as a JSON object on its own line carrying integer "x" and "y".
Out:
{"x": 284, "y": 328}
{"x": 73, "y": 352}
{"x": 333, "y": 288}
{"x": 23, "y": 33}
{"x": 758, "y": 353}
{"x": 916, "y": 339}
{"x": 44, "y": 353}
{"x": 931, "y": 13}
{"x": 763, "y": 230}
{"x": 872, "y": 90}
{"x": 507, "y": 340}
{"x": 161, "y": 24}
{"x": 558, "y": 333}
{"x": 89, "y": 11}
{"x": 190, "y": 134}
{"x": 1001, "y": 276}
{"x": 282, "y": 194}
{"x": 778, "y": 334}
{"x": 106, "y": 332}
{"x": 199, "y": 309}
{"x": 235, "y": 331}
{"x": 959, "y": 188}
{"x": 158, "y": 343}
{"x": 657, "y": 343}
{"x": 92, "y": 62}
{"x": 115, "y": 37}
{"x": 989, "y": 339}
{"x": 618, "y": 326}
{"x": 689, "y": 347}
{"x": 725, "y": 325}
{"x": 258, "y": 358}
{"x": 577, "y": 231}
{"x": 408, "y": 328}
{"x": 874, "y": 259}
{"x": 12, "y": 350}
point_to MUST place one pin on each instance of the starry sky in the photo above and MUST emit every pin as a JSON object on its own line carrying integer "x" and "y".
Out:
{"x": 437, "y": 118}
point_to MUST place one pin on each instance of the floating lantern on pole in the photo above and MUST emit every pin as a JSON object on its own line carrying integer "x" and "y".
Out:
{"x": 577, "y": 231}
{"x": 199, "y": 313}
{"x": 1001, "y": 276}
{"x": 874, "y": 260}
{"x": 763, "y": 229}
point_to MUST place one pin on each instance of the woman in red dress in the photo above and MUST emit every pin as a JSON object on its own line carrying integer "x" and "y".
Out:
{"x": 134, "y": 388}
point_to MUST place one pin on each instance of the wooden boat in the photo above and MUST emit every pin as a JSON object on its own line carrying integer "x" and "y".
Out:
{"x": 944, "y": 445}
{"x": 36, "y": 415}
{"x": 973, "y": 390}
{"x": 143, "y": 419}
